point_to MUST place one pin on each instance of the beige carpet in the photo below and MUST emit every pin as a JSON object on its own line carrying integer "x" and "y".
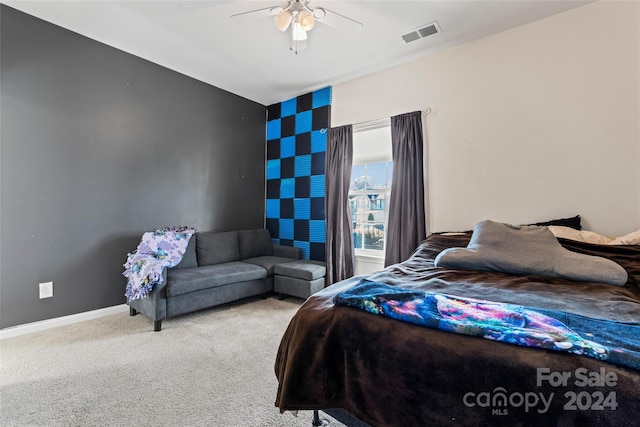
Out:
{"x": 211, "y": 368}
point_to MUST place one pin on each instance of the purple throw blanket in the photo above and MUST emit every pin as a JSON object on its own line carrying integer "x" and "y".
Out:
{"x": 158, "y": 249}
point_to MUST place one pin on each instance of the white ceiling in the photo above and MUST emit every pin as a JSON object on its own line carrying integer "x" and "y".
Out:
{"x": 253, "y": 60}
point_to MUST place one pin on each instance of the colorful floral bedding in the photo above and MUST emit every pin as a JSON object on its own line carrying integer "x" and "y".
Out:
{"x": 163, "y": 248}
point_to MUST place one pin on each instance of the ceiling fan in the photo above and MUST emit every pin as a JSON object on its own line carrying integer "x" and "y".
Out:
{"x": 301, "y": 18}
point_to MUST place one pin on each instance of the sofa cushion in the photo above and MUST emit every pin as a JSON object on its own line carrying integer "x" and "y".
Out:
{"x": 302, "y": 269}
{"x": 187, "y": 280}
{"x": 215, "y": 247}
{"x": 268, "y": 262}
{"x": 189, "y": 259}
{"x": 255, "y": 243}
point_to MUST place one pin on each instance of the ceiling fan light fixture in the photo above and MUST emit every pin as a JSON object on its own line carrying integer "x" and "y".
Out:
{"x": 306, "y": 20}
{"x": 319, "y": 13}
{"x": 301, "y": 18}
{"x": 298, "y": 32}
{"x": 282, "y": 20}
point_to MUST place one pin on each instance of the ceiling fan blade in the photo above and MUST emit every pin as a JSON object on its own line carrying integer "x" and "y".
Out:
{"x": 256, "y": 14}
{"x": 336, "y": 20}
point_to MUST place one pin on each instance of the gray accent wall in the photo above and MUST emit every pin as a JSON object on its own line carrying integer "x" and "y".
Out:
{"x": 98, "y": 146}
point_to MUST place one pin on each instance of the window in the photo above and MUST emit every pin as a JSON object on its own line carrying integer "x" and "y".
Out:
{"x": 370, "y": 188}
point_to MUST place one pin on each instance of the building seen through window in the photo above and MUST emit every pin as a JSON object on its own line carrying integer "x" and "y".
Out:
{"x": 369, "y": 198}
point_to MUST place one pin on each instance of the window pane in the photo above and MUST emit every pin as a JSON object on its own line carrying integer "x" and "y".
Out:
{"x": 369, "y": 207}
{"x": 357, "y": 236}
{"x": 358, "y": 177}
{"x": 377, "y": 173}
{"x": 374, "y": 235}
{"x": 357, "y": 212}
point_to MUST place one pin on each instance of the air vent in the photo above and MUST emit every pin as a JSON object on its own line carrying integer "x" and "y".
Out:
{"x": 422, "y": 32}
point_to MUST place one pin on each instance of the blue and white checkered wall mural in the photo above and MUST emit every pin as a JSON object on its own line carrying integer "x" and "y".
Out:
{"x": 296, "y": 146}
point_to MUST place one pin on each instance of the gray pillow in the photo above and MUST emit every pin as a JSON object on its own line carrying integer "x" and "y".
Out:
{"x": 254, "y": 243}
{"x": 504, "y": 248}
{"x": 213, "y": 247}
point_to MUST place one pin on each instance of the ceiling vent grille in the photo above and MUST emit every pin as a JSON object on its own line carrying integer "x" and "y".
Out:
{"x": 422, "y": 32}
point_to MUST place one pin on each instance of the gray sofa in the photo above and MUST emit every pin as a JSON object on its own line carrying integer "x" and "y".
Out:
{"x": 217, "y": 267}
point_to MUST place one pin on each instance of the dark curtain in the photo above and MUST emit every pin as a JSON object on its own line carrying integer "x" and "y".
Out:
{"x": 339, "y": 249}
{"x": 406, "y": 226}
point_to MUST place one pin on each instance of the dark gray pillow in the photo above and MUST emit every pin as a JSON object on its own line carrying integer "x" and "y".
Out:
{"x": 215, "y": 247}
{"x": 528, "y": 250}
{"x": 189, "y": 260}
{"x": 574, "y": 222}
{"x": 254, "y": 243}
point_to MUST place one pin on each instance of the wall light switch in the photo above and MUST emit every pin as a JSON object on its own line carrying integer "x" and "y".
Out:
{"x": 46, "y": 290}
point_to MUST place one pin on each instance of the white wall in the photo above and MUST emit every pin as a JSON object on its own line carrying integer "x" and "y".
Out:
{"x": 538, "y": 122}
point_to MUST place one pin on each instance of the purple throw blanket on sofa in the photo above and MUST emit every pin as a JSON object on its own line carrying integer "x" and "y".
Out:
{"x": 158, "y": 249}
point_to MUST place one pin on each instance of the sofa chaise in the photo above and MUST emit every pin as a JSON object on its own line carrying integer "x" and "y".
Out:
{"x": 217, "y": 267}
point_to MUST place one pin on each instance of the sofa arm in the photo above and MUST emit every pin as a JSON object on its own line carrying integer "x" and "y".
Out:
{"x": 287, "y": 251}
{"x": 154, "y": 305}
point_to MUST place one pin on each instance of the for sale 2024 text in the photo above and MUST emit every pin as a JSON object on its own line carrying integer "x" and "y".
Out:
{"x": 583, "y": 400}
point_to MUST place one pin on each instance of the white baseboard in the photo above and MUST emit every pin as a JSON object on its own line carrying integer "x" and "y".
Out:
{"x": 42, "y": 325}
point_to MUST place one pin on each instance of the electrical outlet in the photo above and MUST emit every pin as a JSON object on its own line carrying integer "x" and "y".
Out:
{"x": 46, "y": 290}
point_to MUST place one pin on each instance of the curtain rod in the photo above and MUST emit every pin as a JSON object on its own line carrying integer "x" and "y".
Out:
{"x": 379, "y": 123}
{"x": 371, "y": 124}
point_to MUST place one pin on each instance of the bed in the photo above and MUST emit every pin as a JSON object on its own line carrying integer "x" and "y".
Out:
{"x": 368, "y": 369}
